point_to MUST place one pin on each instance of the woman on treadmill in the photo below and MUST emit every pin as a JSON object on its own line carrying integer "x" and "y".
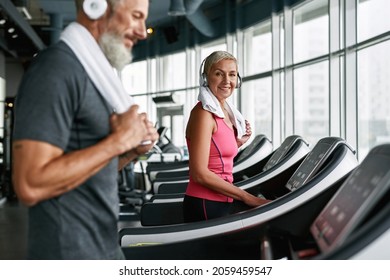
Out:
{"x": 215, "y": 131}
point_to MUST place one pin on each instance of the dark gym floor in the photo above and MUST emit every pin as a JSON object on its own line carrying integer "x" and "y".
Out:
{"x": 13, "y": 230}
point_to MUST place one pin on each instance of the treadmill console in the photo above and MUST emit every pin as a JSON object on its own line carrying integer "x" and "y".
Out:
{"x": 358, "y": 195}
{"x": 282, "y": 151}
{"x": 314, "y": 161}
{"x": 249, "y": 149}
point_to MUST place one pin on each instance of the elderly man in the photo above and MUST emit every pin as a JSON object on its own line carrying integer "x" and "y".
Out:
{"x": 75, "y": 127}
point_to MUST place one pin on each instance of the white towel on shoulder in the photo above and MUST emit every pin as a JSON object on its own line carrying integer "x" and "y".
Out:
{"x": 210, "y": 103}
{"x": 95, "y": 63}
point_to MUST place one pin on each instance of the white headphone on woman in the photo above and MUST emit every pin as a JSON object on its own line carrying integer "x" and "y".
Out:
{"x": 95, "y": 9}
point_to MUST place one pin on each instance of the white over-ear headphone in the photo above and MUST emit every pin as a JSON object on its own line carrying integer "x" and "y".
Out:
{"x": 95, "y": 9}
{"x": 203, "y": 77}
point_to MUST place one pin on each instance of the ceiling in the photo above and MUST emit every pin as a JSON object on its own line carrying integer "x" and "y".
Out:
{"x": 37, "y": 23}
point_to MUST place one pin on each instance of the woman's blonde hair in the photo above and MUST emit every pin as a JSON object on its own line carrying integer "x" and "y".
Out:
{"x": 214, "y": 58}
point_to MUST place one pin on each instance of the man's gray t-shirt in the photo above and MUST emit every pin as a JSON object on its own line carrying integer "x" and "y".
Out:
{"x": 58, "y": 104}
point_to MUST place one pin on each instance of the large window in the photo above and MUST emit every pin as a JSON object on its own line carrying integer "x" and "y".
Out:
{"x": 373, "y": 97}
{"x": 316, "y": 69}
{"x": 134, "y": 77}
{"x": 311, "y": 101}
{"x": 282, "y": 41}
{"x": 311, "y": 30}
{"x": 138, "y": 79}
{"x": 174, "y": 71}
{"x": 373, "y": 18}
{"x": 258, "y": 55}
{"x": 257, "y": 105}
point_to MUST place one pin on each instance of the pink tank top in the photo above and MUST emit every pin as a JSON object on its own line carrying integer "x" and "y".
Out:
{"x": 223, "y": 149}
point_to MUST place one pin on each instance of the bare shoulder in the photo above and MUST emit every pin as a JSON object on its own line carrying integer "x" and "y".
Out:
{"x": 200, "y": 120}
{"x": 198, "y": 112}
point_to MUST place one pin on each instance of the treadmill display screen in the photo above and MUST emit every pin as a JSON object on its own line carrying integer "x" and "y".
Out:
{"x": 281, "y": 151}
{"x": 355, "y": 198}
{"x": 251, "y": 147}
{"x": 313, "y": 162}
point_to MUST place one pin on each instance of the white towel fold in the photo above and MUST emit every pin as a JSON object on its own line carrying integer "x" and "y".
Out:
{"x": 95, "y": 63}
{"x": 210, "y": 103}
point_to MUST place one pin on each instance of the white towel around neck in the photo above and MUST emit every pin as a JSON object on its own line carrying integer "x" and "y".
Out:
{"x": 210, "y": 103}
{"x": 95, "y": 63}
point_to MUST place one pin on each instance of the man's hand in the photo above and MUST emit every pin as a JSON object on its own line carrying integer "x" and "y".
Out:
{"x": 129, "y": 129}
{"x": 152, "y": 137}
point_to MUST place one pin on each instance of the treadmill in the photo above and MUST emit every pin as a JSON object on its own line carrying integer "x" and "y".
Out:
{"x": 166, "y": 208}
{"x": 237, "y": 236}
{"x": 355, "y": 223}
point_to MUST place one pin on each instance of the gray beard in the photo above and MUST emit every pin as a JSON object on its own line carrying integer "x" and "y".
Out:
{"x": 115, "y": 51}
